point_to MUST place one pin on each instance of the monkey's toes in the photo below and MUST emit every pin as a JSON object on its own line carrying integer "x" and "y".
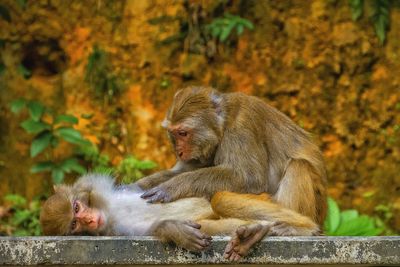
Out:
{"x": 230, "y": 253}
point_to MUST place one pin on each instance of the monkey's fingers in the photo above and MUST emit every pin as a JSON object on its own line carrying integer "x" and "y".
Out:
{"x": 203, "y": 243}
{"x": 193, "y": 224}
{"x": 149, "y": 193}
{"x": 157, "y": 195}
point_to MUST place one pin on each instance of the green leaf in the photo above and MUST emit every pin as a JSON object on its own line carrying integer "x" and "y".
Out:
{"x": 4, "y": 13}
{"x": 215, "y": 31}
{"x": 333, "y": 219}
{"x": 361, "y": 226}
{"x": 36, "y": 110}
{"x": 72, "y": 164}
{"x": 226, "y": 31}
{"x": 17, "y": 105}
{"x": 20, "y": 216}
{"x": 247, "y": 24}
{"x": 58, "y": 175}
{"x": 40, "y": 143}
{"x": 42, "y": 166}
{"x": 72, "y": 136}
{"x": 66, "y": 118}
{"x": 34, "y": 127}
{"x": 239, "y": 29}
{"x": 24, "y": 71}
{"x": 348, "y": 215}
{"x": 16, "y": 200}
{"x": 356, "y": 8}
{"x": 380, "y": 18}
{"x": 146, "y": 165}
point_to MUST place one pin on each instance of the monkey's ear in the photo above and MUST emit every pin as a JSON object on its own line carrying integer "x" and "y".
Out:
{"x": 216, "y": 99}
{"x": 165, "y": 123}
{"x": 59, "y": 188}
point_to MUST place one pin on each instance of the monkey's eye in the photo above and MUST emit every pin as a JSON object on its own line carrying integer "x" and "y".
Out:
{"x": 76, "y": 207}
{"x": 182, "y": 133}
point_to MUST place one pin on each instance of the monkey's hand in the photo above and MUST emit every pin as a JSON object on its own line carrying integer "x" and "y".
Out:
{"x": 185, "y": 234}
{"x": 158, "y": 194}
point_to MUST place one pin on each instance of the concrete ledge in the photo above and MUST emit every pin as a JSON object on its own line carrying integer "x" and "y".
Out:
{"x": 146, "y": 250}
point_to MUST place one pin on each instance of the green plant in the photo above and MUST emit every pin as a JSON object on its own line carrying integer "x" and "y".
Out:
{"x": 349, "y": 222}
{"x": 385, "y": 213}
{"x": 99, "y": 75}
{"x": 379, "y": 17}
{"x": 24, "y": 217}
{"x": 221, "y": 28}
{"x": 98, "y": 162}
{"x": 130, "y": 168}
{"x": 48, "y": 135}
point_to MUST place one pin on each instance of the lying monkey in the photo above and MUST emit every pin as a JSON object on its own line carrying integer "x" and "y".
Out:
{"x": 95, "y": 206}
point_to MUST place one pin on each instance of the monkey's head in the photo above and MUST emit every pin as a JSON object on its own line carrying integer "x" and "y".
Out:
{"x": 70, "y": 213}
{"x": 194, "y": 123}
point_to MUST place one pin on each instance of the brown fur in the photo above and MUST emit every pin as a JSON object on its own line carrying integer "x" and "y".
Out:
{"x": 56, "y": 214}
{"x": 239, "y": 143}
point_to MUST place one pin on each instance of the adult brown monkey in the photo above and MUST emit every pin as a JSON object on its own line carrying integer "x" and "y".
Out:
{"x": 234, "y": 142}
{"x": 94, "y": 205}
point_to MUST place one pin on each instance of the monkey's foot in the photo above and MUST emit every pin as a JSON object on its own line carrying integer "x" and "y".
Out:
{"x": 243, "y": 239}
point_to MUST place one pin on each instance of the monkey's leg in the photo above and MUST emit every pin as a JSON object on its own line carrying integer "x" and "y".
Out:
{"x": 301, "y": 190}
{"x": 253, "y": 207}
{"x": 225, "y": 226}
{"x": 185, "y": 234}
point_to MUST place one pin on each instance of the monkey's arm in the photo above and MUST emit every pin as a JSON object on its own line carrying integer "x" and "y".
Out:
{"x": 154, "y": 179}
{"x": 203, "y": 182}
{"x": 185, "y": 234}
{"x": 162, "y": 176}
{"x": 236, "y": 172}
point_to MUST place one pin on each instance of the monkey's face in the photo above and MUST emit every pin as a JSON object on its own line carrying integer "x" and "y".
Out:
{"x": 87, "y": 219}
{"x": 194, "y": 125}
{"x": 193, "y": 143}
{"x": 181, "y": 140}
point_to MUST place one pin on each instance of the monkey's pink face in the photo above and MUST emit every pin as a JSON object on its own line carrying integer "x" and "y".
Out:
{"x": 181, "y": 137}
{"x": 87, "y": 219}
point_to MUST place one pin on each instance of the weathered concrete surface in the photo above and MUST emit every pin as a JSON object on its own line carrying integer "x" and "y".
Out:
{"x": 146, "y": 250}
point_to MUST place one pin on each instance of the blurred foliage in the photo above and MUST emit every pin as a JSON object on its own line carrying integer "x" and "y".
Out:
{"x": 100, "y": 76}
{"x": 222, "y": 28}
{"x": 98, "y": 161}
{"x": 350, "y": 222}
{"x": 380, "y": 15}
{"x": 49, "y": 132}
{"x": 131, "y": 169}
{"x": 201, "y": 30}
{"x": 19, "y": 217}
{"x": 4, "y": 13}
